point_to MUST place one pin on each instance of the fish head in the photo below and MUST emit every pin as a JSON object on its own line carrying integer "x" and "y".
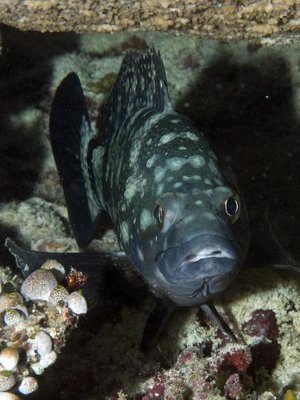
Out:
{"x": 199, "y": 243}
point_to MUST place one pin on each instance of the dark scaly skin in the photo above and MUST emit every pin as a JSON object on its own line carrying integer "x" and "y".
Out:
{"x": 157, "y": 157}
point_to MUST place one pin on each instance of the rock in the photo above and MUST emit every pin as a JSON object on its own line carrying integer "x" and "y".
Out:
{"x": 250, "y": 19}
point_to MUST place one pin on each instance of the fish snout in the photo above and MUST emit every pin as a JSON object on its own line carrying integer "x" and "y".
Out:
{"x": 200, "y": 268}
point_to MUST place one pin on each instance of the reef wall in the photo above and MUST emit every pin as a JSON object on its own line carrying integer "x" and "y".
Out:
{"x": 268, "y": 21}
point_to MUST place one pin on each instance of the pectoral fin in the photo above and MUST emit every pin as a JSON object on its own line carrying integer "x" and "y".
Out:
{"x": 92, "y": 264}
{"x": 73, "y": 143}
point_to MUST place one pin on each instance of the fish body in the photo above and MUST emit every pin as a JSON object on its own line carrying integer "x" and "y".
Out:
{"x": 176, "y": 208}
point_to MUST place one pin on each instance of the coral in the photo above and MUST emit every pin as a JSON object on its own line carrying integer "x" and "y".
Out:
{"x": 28, "y": 385}
{"x": 41, "y": 343}
{"x": 38, "y": 285}
{"x": 77, "y": 303}
{"x": 8, "y": 396}
{"x": 56, "y": 268}
{"x": 33, "y": 326}
{"x": 9, "y": 358}
{"x": 58, "y": 294}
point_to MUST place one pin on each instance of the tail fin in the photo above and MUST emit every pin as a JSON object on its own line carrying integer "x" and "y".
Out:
{"x": 72, "y": 143}
{"x": 141, "y": 83}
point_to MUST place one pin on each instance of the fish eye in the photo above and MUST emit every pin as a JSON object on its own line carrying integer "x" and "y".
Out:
{"x": 232, "y": 208}
{"x": 158, "y": 213}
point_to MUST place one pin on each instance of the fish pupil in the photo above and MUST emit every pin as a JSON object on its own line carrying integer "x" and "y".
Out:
{"x": 231, "y": 206}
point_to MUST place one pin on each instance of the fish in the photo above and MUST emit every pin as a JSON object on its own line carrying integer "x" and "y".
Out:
{"x": 177, "y": 210}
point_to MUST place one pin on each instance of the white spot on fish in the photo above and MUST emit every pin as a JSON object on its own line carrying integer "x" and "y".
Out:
{"x": 140, "y": 254}
{"x": 209, "y": 216}
{"x": 124, "y": 231}
{"x": 212, "y": 155}
{"x": 133, "y": 186}
{"x": 145, "y": 219}
{"x": 176, "y": 163}
{"x": 196, "y": 161}
{"x": 167, "y": 138}
{"x": 188, "y": 220}
{"x": 160, "y": 189}
{"x": 151, "y": 161}
{"x": 190, "y": 135}
{"x": 182, "y": 148}
{"x": 192, "y": 178}
{"x": 177, "y": 185}
{"x": 159, "y": 174}
{"x": 213, "y": 168}
{"x": 198, "y": 203}
{"x": 135, "y": 152}
{"x": 208, "y": 192}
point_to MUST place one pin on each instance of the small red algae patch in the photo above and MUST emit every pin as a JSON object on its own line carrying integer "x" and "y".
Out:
{"x": 236, "y": 359}
{"x": 233, "y": 387}
{"x": 263, "y": 324}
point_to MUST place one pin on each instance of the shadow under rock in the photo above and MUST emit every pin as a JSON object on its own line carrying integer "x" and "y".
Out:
{"x": 25, "y": 71}
{"x": 247, "y": 111}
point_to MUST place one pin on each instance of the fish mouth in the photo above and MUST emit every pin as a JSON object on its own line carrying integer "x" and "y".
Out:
{"x": 199, "y": 268}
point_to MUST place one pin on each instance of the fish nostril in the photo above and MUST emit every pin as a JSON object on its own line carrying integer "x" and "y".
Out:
{"x": 215, "y": 253}
{"x": 190, "y": 257}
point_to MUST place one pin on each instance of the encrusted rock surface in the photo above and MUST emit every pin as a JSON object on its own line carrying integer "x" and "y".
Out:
{"x": 227, "y": 20}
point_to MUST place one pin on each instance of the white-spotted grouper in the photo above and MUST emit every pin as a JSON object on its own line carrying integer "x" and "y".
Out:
{"x": 175, "y": 207}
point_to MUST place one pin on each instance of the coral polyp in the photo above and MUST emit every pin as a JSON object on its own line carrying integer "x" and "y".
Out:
{"x": 36, "y": 322}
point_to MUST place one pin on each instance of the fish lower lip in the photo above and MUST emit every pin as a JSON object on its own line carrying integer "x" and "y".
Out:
{"x": 192, "y": 275}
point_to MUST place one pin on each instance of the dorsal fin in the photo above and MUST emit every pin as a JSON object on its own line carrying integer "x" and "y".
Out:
{"x": 73, "y": 142}
{"x": 141, "y": 83}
